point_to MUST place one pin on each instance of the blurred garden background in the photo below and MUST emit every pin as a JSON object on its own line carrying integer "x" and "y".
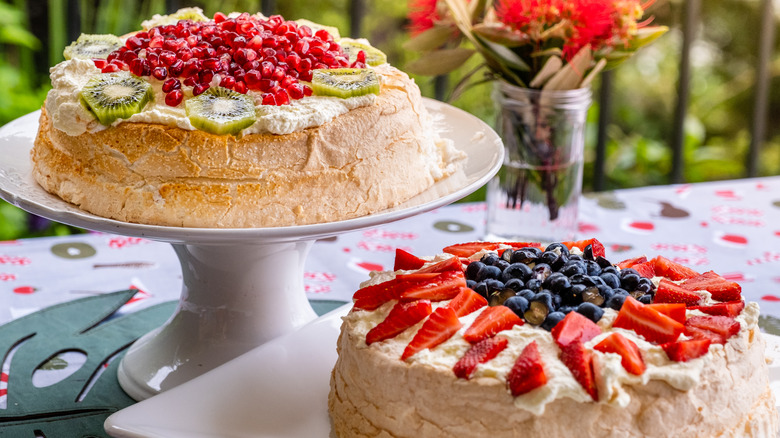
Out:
{"x": 724, "y": 54}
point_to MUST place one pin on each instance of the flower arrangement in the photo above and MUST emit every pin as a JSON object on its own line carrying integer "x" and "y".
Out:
{"x": 540, "y": 44}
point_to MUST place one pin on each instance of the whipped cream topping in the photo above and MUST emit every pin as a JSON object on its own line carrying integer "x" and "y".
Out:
{"x": 612, "y": 379}
{"x": 70, "y": 116}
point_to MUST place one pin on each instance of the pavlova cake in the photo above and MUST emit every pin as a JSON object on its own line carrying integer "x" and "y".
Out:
{"x": 235, "y": 121}
{"x": 520, "y": 340}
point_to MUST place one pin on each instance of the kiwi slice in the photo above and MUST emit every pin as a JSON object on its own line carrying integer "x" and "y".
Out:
{"x": 334, "y": 31}
{"x": 114, "y": 96}
{"x": 344, "y": 82}
{"x": 221, "y": 111}
{"x": 351, "y": 47}
{"x": 92, "y": 46}
{"x": 192, "y": 14}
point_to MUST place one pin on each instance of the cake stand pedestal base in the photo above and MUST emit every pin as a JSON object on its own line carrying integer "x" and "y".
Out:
{"x": 234, "y": 298}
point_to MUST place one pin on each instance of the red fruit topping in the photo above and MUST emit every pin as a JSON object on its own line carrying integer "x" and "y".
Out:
{"x": 480, "y": 352}
{"x": 631, "y": 357}
{"x": 227, "y": 82}
{"x": 631, "y": 262}
{"x": 527, "y": 373}
{"x": 574, "y": 328}
{"x": 160, "y": 73}
{"x": 199, "y": 89}
{"x": 580, "y": 362}
{"x": 268, "y": 99}
{"x": 100, "y": 63}
{"x": 596, "y": 246}
{"x": 676, "y": 311}
{"x": 720, "y": 288}
{"x": 110, "y": 68}
{"x": 491, "y": 321}
{"x": 440, "y": 326}
{"x": 683, "y": 351}
{"x": 671, "y": 270}
{"x": 450, "y": 264}
{"x": 174, "y": 98}
{"x": 716, "y": 328}
{"x": 646, "y": 269}
{"x": 406, "y": 261}
{"x": 371, "y": 297}
{"x": 470, "y": 248}
{"x": 731, "y": 308}
{"x": 668, "y": 292}
{"x": 171, "y": 84}
{"x": 443, "y": 286}
{"x": 401, "y": 317}
{"x": 467, "y": 301}
{"x": 649, "y": 323}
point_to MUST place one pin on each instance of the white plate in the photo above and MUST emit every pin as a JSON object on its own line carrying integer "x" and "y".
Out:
{"x": 279, "y": 389}
{"x": 481, "y": 144}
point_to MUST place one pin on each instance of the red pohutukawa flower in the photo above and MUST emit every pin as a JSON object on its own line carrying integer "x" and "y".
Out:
{"x": 422, "y": 15}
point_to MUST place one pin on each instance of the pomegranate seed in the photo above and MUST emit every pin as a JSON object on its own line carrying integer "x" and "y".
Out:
{"x": 134, "y": 43}
{"x": 156, "y": 41}
{"x": 328, "y": 58}
{"x": 292, "y": 37}
{"x": 294, "y": 61}
{"x": 112, "y": 56}
{"x": 269, "y": 52}
{"x": 191, "y": 81}
{"x": 334, "y": 46}
{"x": 305, "y": 64}
{"x": 307, "y": 91}
{"x": 167, "y": 57}
{"x": 324, "y": 35}
{"x": 305, "y": 75}
{"x": 250, "y": 54}
{"x": 302, "y": 47}
{"x": 268, "y": 99}
{"x": 281, "y": 96}
{"x": 227, "y": 82}
{"x": 256, "y": 43}
{"x": 137, "y": 66}
{"x": 293, "y": 74}
{"x": 191, "y": 67}
{"x": 304, "y": 31}
{"x": 245, "y": 27}
{"x": 252, "y": 79}
{"x": 278, "y": 74}
{"x": 266, "y": 69}
{"x": 184, "y": 54}
{"x": 110, "y": 68}
{"x": 271, "y": 43}
{"x": 99, "y": 63}
{"x": 174, "y": 98}
{"x": 160, "y": 73}
{"x": 199, "y": 89}
{"x": 219, "y": 17}
{"x": 171, "y": 84}
{"x": 205, "y": 76}
{"x": 176, "y": 68}
{"x": 238, "y": 42}
{"x": 286, "y": 82}
{"x": 266, "y": 85}
{"x": 251, "y": 65}
{"x": 127, "y": 57}
{"x": 295, "y": 91}
{"x": 210, "y": 52}
{"x": 143, "y": 35}
{"x": 228, "y": 25}
{"x": 357, "y": 64}
{"x": 192, "y": 40}
{"x": 211, "y": 63}
{"x": 153, "y": 59}
{"x": 361, "y": 57}
{"x": 198, "y": 52}
{"x": 319, "y": 65}
{"x": 238, "y": 73}
{"x": 240, "y": 87}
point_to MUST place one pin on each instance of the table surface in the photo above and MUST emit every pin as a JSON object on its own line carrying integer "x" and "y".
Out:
{"x": 731, "y": 227}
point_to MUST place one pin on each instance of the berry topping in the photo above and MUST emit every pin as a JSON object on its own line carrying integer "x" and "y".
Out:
{"x": 467, "y": 301}
{"x": 666, "y": 268}
{"x": 440, "y": 326}
{"x": 669, "y": 292}
{"x": 683, "y": 351}
{"x": 580, "y": 362}
{"x": 470, "y": 248}
{"x": 527, "y": 373}
{"x": 491, "y": 321}
{"x": 574, "y": 328}
{"x": 401, "y": 317}
{"x": 451, "y": 264}
{"x": 676, "y": 311}
{"x": 720, "y": 288}
{"x": 596, "y": 248}
{"x": 443, "y": 286}
{"x": 480, "y": 352}
{"x": 718, "y": 329}
{"x": 631, "y": 358}
{"x": 631, "y": 262}
{"x": 731, "y": 308}
{"x": 647, "y": 322}
{"x": 234, "y": 48}
{"x": 406, "y": 261}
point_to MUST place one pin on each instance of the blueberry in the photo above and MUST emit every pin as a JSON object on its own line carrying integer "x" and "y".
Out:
{"x": 517, "y": 304}
{"x": 473, "y": 268}
{"x": 481, "y": 288}
{"x": 576, "y": 257}
{"x": 603, "y": 262}
{"x": 573, "y": 268}
{"x": 548, "y": 257}
{"x": 538, "y": 307}
{"x": 534, "y": 250}
{"x": 534, "y": 284}
{"x": 498, "y": 298}
{"x": 565, "y": 309}
{"x": 592, "y": 295}
{"x": 494, "y": 285}
{"x": 606, "y": 292}
{"x": 610, "y": 279}
{"x": 620, "y": 291}
{"x": 627, "y": 271}
{"x": 590, "y": 311}
{"x": 615, "y": 301}
{"x": 595, "y": 280}
{"x": 517, "y": 270}
{"x": 488, "y": 272}
{"x": 507, "y": 255}
{"x": 553, "y": 318}
{"x": 561, "y": 248}
{"x": 489, "y": 259}
{"x": 557, "y": 283}
{"x": 526, "y": 293}
{"x": 592, "y": 267}
{"x": 556, "y": 301}
{"x": 515, "y": 284}
{"x": 501, "y": 264}
{"x": 611, "y": 269}
{"x": 578, "y": 278}
{"x": 588, "y": 252}
{"x": 646, "y": 299}
{"x": 629, "y": 281}
{"x": 471, "y": 284}
{"x": 558, "y": 263}
{"x": 573, "y": 296}
{"x": 541, "y": 271}
{"x": 523, "y": 256}
{"x": 645, "y": 285}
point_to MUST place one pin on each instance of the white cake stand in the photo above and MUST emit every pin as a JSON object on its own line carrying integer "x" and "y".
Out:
{"x": 243, "y": 286}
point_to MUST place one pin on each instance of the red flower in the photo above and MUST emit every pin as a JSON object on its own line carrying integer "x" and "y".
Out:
{"x": 591, "y": 24}
{"x": 530, "y": 17}
{"x": 422, "y": 15}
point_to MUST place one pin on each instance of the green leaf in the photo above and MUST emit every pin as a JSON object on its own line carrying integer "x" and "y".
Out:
{"x": 432, "y": 39}
{"x": 500, "y": 34}
{"x": 18, "y": 36}
{"x": 439, "y": 62}
{"x": 62, "y": 409}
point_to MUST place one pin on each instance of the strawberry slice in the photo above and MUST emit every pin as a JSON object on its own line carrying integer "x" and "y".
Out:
{"x": 723, "y": 327}
{"x": 443, "y": 286}
{"x": 668, "y": 292}
{"x": 574, "y": 327}
{"x": 683, "y": 351}
{"x": 371, "y": 297}
{"x": 627, "y": 263}
{"x": 595, "y": 245}
{"x": 451, "y": 264}
{"x": 491, "y": 321}
{"x": 731, "y": 308}
{"x": 467, "y": 301}
{"x": 651, "y": 324}
{"x": 401, "y": 317}
{"x": 527, "y": 373}
{"x": 440, "y": 326}
{"x": 480, "y": 352}
{"x": 406, "y": 261}
{"x": 468, "y": 249}
{"x": 646, "y": 269}
{"x": 671, "y": 270}
{"x": 631, "y": 357}
{"x": 580, "y": 362}
{"x": 676, "y": 311}
{"x": 720, "y": 288}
